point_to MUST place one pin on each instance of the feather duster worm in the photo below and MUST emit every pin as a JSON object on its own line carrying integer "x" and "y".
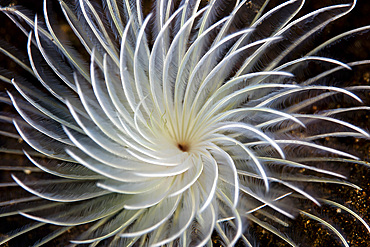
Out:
{"x": 165, "y": 127}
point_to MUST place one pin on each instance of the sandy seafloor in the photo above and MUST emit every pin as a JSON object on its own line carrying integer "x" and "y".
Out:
{"x": 309, "y": 232}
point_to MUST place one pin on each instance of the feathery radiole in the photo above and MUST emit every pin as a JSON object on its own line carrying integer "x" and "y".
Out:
{"x": 165, "y": 128}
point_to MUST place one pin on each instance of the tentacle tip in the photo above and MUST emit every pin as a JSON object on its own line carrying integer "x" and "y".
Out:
{"x": 9, "y": 93}
{"x": 348, "y": 67}
{"x": 267, "y": 187}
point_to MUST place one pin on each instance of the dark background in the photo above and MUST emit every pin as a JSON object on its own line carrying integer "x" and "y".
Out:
{"x": 310, "y": 233}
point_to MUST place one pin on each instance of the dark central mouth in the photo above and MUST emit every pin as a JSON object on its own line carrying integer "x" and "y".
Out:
{"x": 183, "y": 147}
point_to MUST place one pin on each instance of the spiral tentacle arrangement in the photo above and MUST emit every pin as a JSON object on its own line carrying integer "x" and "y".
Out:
{"x": 162, "y": 128}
